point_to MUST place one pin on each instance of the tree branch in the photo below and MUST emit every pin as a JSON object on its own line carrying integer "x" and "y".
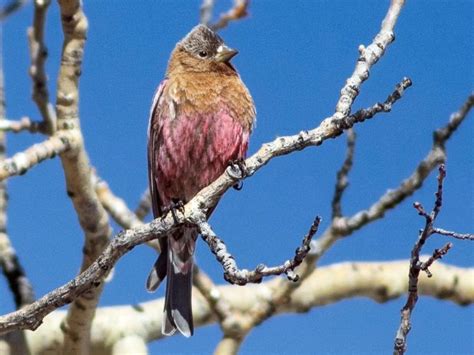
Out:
{"x": 379, "y": 281}
{"x": 453, "y": 234}
{"x": 345, "y": 226}
{"x": 340, "y": 120}
{"x": 236, "y": 276}
{"x": 219, "y": 306}
{"x": 237, "y": 11}
{"x": 144, "y": 206}
{"x": 10, "y": 8}
{"x": 21, "y": 162}
{"x": 38, "y": 55}
{"x": 367, "y": 58}
{"x": 118, "y": 210}
{"x": 74, "y": 28}
{"x": 342, "y": 181}
{"x": 195, "y": 212}
{"x": 25, "y": 124}
{"x": 31, "y": 316}
{"x": 115, "y": 206}
{"x": 206, "y": 9}
{"x": 416, "y": 266}
{"x": 18, "y": 283}
{"x": 92, "y": 216}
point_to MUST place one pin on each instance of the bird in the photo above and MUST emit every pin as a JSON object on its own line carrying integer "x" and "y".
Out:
{"x": 200, "y": 121}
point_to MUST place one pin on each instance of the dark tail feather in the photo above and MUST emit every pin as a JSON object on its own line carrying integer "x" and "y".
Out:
{"x": 176, "y": 263}
{"x": 178, "y": 311}
{"x": 159, "y": 270}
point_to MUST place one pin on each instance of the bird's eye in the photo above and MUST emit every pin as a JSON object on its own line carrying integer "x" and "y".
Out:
{"x": 203, "y": 54}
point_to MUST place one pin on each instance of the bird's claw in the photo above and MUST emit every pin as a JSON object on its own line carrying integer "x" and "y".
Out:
{"x": 238, "y": 186}
{"x": 237, "y": 171}
{"x": 175, "y": 205}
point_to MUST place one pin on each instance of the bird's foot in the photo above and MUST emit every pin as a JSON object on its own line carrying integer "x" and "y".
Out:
{"x": 237, "y": 170}
{"x": 175, "y": 206}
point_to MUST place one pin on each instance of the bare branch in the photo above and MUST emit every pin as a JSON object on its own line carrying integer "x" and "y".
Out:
{"x": 367, "y": 58}
{"x": 77, "y": 170}
{"x": 144, "y": 206}
{"x": 130, "y": 344}
{"x": 437, "y": 254}
{"x": 342, "y": 180}
{"x": 416, "y": 266}
{"x": 386, "y": 106}
{"x": 378, "y": 281}
{"x": 115, "y": 206}
{"x": 17, "y": 280}
{"x": 30, "y": 317}
{"x": 392, "y": 198}
{"x": 330, "y": 127}
{"x": 10, "y": 8}
{"x": 237, "y": 12}
{"x": 25, "y": 124}
{"x": 229, "y": 345}
{"x": 442, "y": 135}
{"x": 236, "y": 276}
{"x": 206, "y": 11}
{"x": 21, "y": 162}
{"x": 453, "y": 234}
{"x": 18, "y": 283}
{"x": 38, "y": 55}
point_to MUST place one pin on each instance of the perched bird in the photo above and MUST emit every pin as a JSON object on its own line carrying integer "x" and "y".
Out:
{"x": 200, "y": 121}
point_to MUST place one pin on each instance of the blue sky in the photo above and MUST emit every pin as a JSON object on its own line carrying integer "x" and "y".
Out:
{"x": 294, "y": 58}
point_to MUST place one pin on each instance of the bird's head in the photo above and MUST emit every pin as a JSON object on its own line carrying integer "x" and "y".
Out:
{"x": 202, "y": 50}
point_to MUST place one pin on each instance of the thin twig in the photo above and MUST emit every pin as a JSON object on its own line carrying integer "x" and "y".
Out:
{"x": 453, "y": 234}
{"x": 144, "y": 206}
{"x": 206, "y": 11}
{"x": 437, "y": 254}
{"x": 342, "y": 181}
{"x": 24, "y": 124}
{"x": 386, "y": 106}
{"x": 238, "y": 11}
{"x": 38, "y": 55}
{"x": 10, "y": 8}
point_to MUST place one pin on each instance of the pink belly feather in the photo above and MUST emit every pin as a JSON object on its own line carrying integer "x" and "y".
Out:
{"x": 194, "y": 151}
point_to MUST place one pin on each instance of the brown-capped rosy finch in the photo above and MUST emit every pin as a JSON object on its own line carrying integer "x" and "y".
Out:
{"x": 200, "y": 120}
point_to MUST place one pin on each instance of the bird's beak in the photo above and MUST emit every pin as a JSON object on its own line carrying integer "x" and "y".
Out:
{"x": 224, "y": 53}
